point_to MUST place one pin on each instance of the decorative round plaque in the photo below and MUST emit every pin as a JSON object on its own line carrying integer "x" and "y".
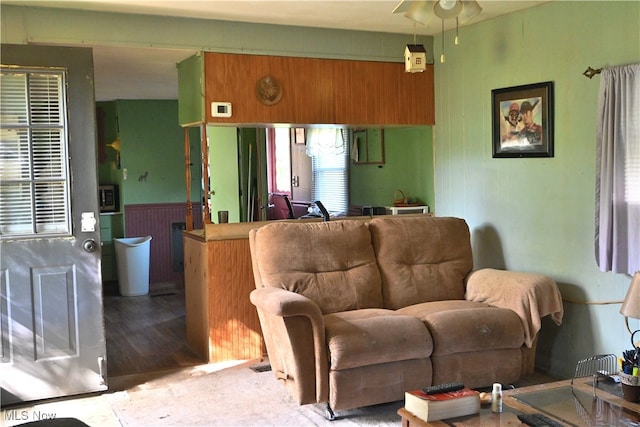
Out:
{"x": 268, "y": 90}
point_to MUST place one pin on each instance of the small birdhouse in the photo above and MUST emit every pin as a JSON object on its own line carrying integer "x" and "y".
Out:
{"x": 415, "y": 58}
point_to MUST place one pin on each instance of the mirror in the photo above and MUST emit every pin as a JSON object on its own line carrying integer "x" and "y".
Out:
{"x": 367, "y": 146}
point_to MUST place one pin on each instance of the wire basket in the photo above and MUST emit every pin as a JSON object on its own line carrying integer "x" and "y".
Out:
{"x": 596, "y": 366}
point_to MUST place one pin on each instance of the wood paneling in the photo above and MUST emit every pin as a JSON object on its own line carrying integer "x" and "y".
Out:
{"x": 196, "y": 297}
{"x": 222, "y": 324}
{"x": 319, "y": 91}
{"x": 155, "y": 220}
{"x": 234, "y": 328}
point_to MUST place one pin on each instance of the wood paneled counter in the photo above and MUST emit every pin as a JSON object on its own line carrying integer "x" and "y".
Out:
{"x": 222, "y": 324}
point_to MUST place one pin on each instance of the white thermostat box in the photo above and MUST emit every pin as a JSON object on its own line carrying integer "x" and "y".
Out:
{"x": 221, "y": 109}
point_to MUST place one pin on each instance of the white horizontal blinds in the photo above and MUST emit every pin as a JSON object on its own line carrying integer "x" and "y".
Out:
{"x": 329, "y": 170}
{"x": 15, "y": 188}
{"x": 34, "y": 194}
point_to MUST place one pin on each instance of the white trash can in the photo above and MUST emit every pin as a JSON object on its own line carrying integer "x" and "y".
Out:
{"x": 132, "y": 258}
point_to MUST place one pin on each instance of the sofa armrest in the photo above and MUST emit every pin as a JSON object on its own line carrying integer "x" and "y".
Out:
{"x": 531, "y": 296}
{"x": 294, "y": 333}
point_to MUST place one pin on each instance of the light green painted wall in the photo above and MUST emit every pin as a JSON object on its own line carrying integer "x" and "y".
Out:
{"x": 408, "y": 167}
{"x": 536, "y": 214}
{"x": 229, "y": 163}
{"x": 152, "y": 153}
{"x": 191, "y": 90}
{"x": 224, "y": 183}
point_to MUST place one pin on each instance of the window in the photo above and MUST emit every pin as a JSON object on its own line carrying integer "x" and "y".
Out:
{"x": 328, "y": 149}
{"x": 330, "y": 154}
{"x": 34, "y": 179}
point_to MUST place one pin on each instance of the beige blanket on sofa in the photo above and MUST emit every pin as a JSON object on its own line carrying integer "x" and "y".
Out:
{"x": 531, "y": 296}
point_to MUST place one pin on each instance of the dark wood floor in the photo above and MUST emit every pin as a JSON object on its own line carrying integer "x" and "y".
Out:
{"x": 145, "y": 333}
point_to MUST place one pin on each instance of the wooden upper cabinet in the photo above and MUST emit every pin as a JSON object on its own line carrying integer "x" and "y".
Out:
{"x": 317, "y": 91}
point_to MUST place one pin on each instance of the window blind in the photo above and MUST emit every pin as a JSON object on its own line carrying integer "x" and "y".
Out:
{"x": 34, "y": 184}
{"x": 330, "y": 175}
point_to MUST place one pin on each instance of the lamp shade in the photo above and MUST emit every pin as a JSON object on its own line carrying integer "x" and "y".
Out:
{"x": 631, "y": 305}
{"x": 115, "y": 144}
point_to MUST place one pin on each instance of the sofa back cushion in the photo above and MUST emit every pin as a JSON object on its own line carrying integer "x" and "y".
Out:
{"x": 332, "y": 263}
{"x": 421, "y": 258}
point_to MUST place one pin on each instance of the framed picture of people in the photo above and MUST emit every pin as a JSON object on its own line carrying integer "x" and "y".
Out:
{"x": 523, "y": 121}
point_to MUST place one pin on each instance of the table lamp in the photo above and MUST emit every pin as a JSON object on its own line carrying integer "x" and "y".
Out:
{"x": 631, "y": 305}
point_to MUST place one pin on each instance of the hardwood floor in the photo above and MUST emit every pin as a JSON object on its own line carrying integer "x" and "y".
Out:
{"x": 145, "y": 333}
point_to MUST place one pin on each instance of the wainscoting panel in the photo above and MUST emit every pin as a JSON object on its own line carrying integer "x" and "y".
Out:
{"x": 158, "y": 221}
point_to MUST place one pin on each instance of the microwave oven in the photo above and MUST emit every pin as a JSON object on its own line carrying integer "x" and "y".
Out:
{"x": 109, "y": 198}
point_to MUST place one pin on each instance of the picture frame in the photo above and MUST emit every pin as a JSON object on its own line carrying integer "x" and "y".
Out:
{"x": 522, "y": 121}
{"x": 367, "y": 146}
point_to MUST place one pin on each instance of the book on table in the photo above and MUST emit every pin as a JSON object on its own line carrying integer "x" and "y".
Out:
{"x": 440, "y": 406}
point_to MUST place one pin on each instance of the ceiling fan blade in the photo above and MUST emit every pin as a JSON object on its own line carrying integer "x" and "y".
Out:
{"x": 470, "y": 10}
{"x": 421, "y": 11}
{"x": 402, "y": 7}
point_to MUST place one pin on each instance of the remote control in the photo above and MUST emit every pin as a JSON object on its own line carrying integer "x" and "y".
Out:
{"x": 443, "y": 388}
{"x": 538, "y": 420}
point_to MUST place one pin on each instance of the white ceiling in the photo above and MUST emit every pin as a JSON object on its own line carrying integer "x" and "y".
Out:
{"x": 149, "y": 73}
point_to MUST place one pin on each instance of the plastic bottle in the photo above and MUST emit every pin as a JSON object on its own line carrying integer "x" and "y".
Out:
{"x": 496, "y": 398}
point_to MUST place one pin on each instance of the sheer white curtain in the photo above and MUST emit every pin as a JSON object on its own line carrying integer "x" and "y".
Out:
{"x": 617, "y": 237}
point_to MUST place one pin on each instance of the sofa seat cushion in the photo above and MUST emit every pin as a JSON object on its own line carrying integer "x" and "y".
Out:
{"x": 421, "y": 258}
{"x": 460, "y": 326}
{"x": 373, "y": 336}
{"x": 331, "y": 263}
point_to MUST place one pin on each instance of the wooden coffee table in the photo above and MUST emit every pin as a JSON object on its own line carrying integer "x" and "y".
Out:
{"x": 557, "y": 400}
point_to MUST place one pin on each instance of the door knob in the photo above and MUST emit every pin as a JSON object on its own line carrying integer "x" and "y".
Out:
{"x": 89, "y": 245}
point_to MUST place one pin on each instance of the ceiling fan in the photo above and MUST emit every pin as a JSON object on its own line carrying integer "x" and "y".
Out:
{"x": 422, "y": 11}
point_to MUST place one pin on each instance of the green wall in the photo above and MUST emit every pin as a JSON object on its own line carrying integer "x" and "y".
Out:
{"x": 151, "y": 141}
{"x": 536, "y": 214}
{"x": 224, "y": 184}
{"x": 408, "y": 167}
{"x": 152, "y": 153}
{"x": 191, "y": 108}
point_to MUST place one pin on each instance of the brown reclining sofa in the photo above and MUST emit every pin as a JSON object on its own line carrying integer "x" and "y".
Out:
{"x": 355, "y": 313}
